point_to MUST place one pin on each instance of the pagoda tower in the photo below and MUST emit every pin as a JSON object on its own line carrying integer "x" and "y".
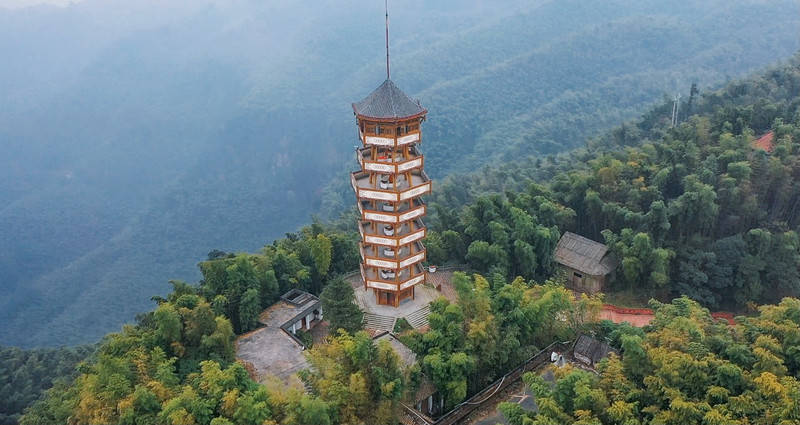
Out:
{"x": 388, "y": 189}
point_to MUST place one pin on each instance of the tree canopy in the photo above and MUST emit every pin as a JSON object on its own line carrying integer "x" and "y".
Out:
{"x": 687, "y": 368}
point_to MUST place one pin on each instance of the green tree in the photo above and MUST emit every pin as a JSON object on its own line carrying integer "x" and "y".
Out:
{"x": 249, "y": 309}
{"x": 339, "y": 308}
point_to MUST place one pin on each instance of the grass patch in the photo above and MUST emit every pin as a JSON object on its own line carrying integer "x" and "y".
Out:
{"x": 626, "y": 298}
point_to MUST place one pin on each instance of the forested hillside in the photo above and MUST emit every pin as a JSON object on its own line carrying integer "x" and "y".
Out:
{"x": 136, "y": 142}
{"x": 694, "y": 210}
{"x": 26, "y": 374}
{"x": 660, "y": 196}
{"x": 686, "y": 369}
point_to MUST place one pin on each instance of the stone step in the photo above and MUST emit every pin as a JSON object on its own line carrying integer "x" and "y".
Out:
{"x": 419, "y": 318}
{"x": 378, "y": 322}
{"x": 297, "y": 368}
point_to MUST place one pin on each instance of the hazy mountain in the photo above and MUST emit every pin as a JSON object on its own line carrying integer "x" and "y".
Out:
{"x": 138, "y": 136}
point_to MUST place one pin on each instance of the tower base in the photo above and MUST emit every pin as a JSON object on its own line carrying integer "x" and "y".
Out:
{"x": 392, "y": 298}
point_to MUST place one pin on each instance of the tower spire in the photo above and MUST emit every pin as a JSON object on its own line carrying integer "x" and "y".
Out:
{"x": 386, "y": 8}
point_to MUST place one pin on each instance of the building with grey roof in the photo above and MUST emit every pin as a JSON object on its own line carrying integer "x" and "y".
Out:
{"x": 589, "y": 264}
{"x": 425, "y": 399}
{"x": 275, "y": 349}
{"x": 590, "y": 351}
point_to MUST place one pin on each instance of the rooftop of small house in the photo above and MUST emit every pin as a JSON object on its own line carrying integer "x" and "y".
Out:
{"x": 270, "y": 349}
{"x": 408, "y": 359}
{"x": 293, "y": 304}
{"x": 591, "y": 348}
{"x": 584, "y": 255}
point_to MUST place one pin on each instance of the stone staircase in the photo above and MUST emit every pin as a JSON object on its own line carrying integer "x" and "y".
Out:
{"x": 419, "y": 318}
{"x": 378, "y": 322}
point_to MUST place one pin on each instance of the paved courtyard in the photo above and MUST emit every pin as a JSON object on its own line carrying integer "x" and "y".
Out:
{"x": 271, "y": 351}
{"x": 415, "y": 311}
{"x": 423, "y": 295}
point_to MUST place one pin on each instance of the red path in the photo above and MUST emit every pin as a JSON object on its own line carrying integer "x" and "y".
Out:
{"x": 642, "y": 316}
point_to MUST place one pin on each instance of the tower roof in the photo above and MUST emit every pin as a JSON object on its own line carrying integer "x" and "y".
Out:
{"x": 388, "y": 103}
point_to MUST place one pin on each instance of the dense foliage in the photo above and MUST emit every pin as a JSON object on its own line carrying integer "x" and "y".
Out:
{"x": 176, "y": 366}
{"x": 510, "y": 236}
{"x": 687, "y": 369}
{"x": 240, "y": 286}
{"x": 697, "y": 210}
{"x": 363, "y": 382}
{"x": 493, "y": 328}
{"x": 26, "y": 374}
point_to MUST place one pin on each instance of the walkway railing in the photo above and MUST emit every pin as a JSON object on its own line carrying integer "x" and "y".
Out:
{"x": 485, "y": 395}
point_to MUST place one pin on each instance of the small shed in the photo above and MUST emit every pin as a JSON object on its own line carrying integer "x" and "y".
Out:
{"x": 589, "y": 264}
{"x": 590, "y": 351}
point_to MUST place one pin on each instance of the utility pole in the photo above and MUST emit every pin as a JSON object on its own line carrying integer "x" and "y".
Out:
{"x": 675, "y": 106}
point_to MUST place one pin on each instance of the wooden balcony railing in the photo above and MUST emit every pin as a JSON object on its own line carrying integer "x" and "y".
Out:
{"x": 402, "y": 261}
{"x": 390, "y": 195}
{"x": 387, "y": 167}
{"x": 392, "y": 241}
{"x": 391, "y": 217}
{"x": 399, "y": 284}
{"x": 388, "y": 139}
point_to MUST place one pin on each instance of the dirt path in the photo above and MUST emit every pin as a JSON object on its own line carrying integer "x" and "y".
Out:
{"x": 640, "y": 317}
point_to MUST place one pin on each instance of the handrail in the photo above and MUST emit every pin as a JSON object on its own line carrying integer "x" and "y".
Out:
{"x": 416, "y": 251}
{"x": 417, "y": 414}
{"x": 396, "y": 238}
{"x": 426, "y": 181}
{"x": 468, "y": 406}
{"x": 418, "y": 211}
{"x": 391, "y": 282}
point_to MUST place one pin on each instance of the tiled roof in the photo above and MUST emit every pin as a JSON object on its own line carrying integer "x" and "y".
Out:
{"x": 591, "y": 348}
{"x": 388, "y": 102}
{"x": 584, "y": 255}
{"x": 407, "y": 357}
{"x": 292, "y": 306}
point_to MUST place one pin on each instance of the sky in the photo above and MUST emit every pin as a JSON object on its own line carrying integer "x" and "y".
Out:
{"x": 16, "y": 4}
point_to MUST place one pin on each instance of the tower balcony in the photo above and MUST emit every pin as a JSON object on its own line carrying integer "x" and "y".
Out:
{"x": 391, "y": 213}
{"x": 401, "y": 189}
{"x": 403, "y": 279}
{"x": 392, "y": 258}
{"x": 388, "y": 162}
{"x": 389, "y": 138}
{"x": 392, "y": 236}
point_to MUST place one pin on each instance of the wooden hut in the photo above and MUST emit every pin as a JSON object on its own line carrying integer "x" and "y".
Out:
{"x": 589, "y": 264}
